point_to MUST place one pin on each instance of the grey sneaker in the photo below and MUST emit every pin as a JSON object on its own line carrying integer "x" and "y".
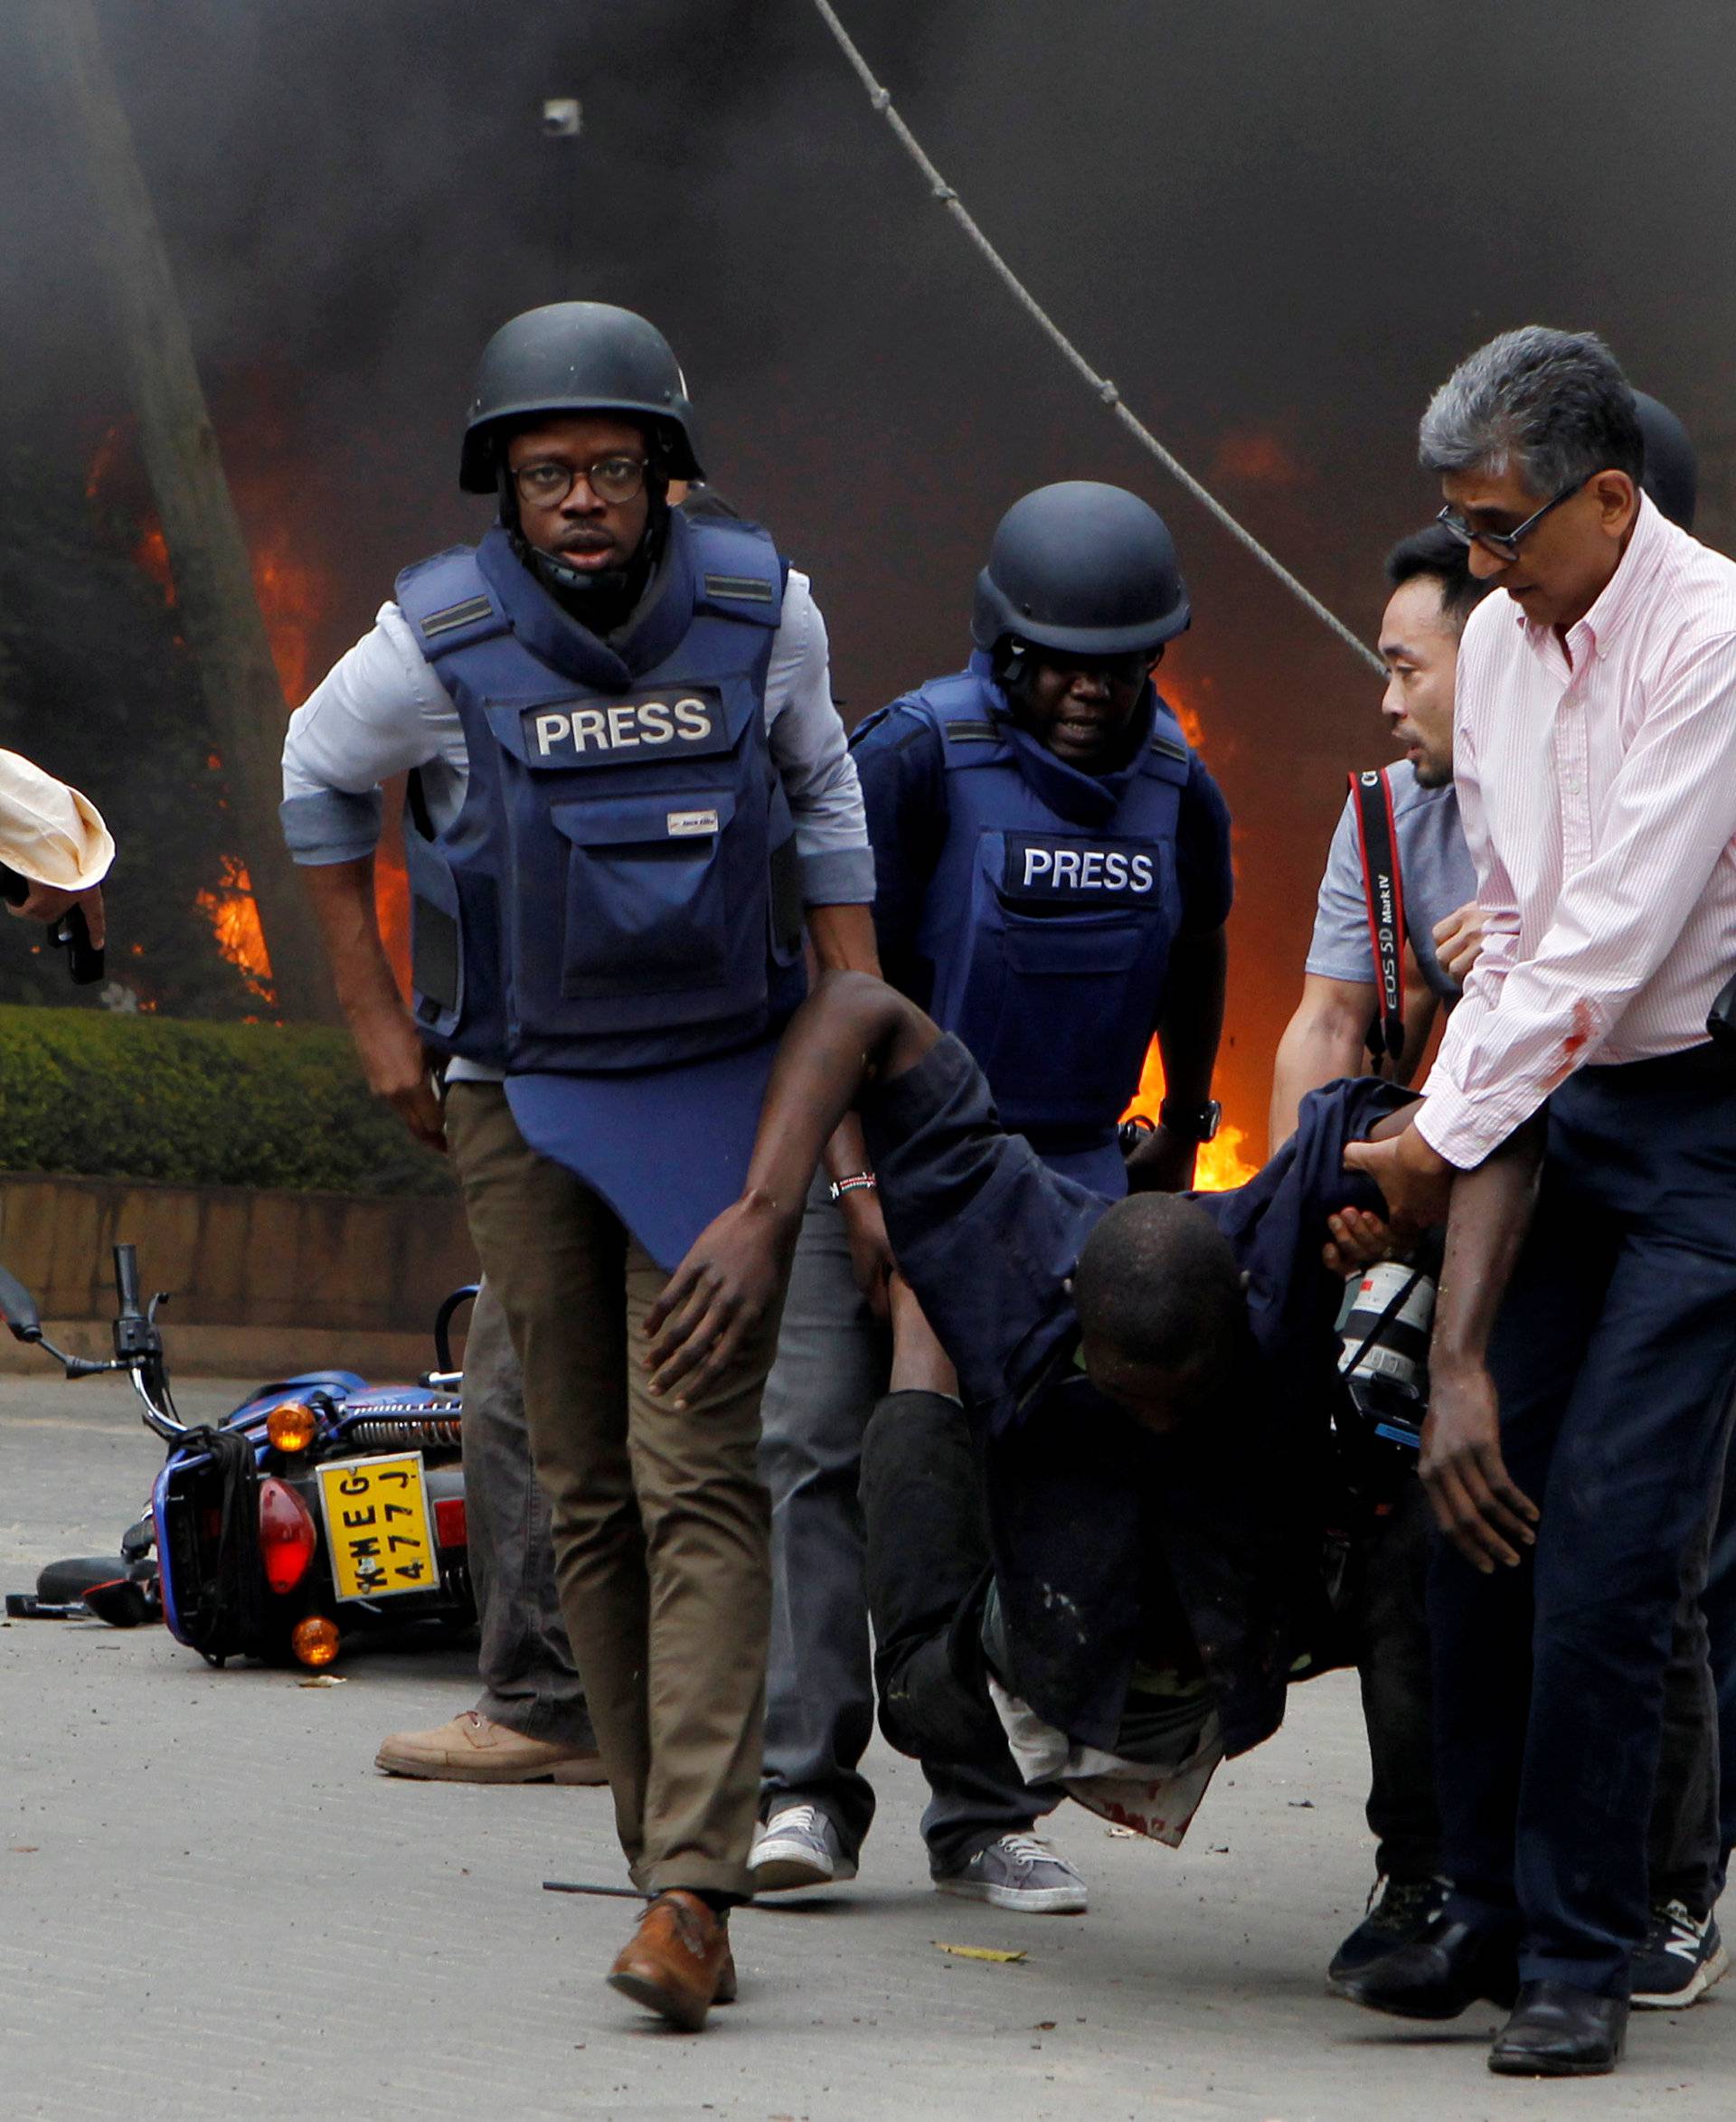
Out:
{"x": 1681, "y": 1958}
{"x": 1018, "y": 1871}
{"x": 799, "y": 1846}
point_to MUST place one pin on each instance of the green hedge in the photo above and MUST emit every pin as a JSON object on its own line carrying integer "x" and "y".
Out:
{"x": 198, "y": 1105}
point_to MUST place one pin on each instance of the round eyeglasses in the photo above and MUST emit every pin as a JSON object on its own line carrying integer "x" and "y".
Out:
{"x": 546, "y": 483}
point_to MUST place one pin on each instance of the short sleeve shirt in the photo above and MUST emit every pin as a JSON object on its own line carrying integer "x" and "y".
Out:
{"x": 1435, "y": 870}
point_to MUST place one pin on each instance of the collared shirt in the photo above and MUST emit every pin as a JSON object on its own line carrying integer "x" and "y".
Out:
{"x": 381, "y": 710}
{"x": 1435, "y": 870}
{"x": 1597, "y": 790}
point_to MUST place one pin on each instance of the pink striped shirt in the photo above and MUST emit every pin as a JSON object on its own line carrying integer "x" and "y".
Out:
{"x": 1598, "y": 789}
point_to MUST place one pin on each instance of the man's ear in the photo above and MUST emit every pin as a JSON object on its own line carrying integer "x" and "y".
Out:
{"x": 1247, "y": 1279}
{"x": 1617, "y": 498}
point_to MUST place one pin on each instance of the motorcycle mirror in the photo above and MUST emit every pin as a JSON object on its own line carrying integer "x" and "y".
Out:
{"x": 20, "y": 1308}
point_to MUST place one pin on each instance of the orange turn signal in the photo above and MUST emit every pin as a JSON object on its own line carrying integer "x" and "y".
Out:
{"x": 291, "y": 1427}
{"x": 315, "y": 1640}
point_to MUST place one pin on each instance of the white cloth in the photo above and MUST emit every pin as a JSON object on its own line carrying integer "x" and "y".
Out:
{"x": 1598, "y": 791}
{"x": 381, "y": 711}
{"x": 49, "y": 832}
{"x": 1156, "y": 1800}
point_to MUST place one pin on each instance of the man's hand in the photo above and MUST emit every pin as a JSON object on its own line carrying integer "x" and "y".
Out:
{"x": 396, "y": 1065}
{"x": 1415, "y": 1181}
{"x": 721, "y": 1291}
{"x": 871, "y": 1251}
{"x": 1476, "y": 1503}
{"x": 1162, "y": 1161}
{"x": 1359, "y": 1239}
{"x": 1458, "y": 940}
{"x": 48, "y": 902}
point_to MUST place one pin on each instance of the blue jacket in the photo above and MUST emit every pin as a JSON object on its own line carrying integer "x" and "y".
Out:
{"x": 1095, "y": 1524}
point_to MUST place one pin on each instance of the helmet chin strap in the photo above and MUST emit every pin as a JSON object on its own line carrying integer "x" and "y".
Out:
{"x": 600, "y": 599}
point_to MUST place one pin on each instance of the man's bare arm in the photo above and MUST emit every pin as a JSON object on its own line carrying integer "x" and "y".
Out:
{"x": 387, "y": 1042}
{"x": 1325, "y": 1040}
{"x": 1189, "y": 1028}
{"x": 1476, "y": 1501}
{"x": 842, "y": 941}
{"x": 851, "y": 1030}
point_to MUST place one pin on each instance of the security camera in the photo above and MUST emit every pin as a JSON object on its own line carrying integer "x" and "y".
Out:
{"x": 562, "y": 117}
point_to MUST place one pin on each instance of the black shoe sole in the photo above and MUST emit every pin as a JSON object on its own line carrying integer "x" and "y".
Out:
{"x": 1543, "y": 2066}
{"x": 1503, "y": 1997}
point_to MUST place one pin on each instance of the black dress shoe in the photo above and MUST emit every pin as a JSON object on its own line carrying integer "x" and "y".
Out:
{"x": 1447, "y": 1967}
{"x": 1558, "y": 2032}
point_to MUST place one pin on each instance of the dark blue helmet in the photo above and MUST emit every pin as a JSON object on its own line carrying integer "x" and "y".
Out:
{"x": 1671, "y": 474}
{"x": 578, "y": 357}
{"x": 1082, "y": 568}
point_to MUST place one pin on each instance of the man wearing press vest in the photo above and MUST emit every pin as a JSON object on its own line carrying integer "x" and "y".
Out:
{"x": 629, "y": 790}
{"x": 1052, "y": 881}
{"x": 1577, "y": 1424}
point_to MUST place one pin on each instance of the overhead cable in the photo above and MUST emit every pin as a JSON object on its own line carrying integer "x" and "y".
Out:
{"x": 1100, "y": 386}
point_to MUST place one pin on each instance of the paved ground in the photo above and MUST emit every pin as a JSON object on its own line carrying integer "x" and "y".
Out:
{"x": 211, "y": 1906}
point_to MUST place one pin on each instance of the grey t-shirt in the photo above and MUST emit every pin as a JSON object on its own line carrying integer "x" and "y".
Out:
{"x": 1435, "y": 873}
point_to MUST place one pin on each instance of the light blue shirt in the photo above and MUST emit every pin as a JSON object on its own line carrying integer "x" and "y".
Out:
{"x": 1435, "y": 873}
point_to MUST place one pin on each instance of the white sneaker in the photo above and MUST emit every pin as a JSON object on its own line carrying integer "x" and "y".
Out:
{"x": 1018, "y": 1871}
{"x": 798, "y": 1847}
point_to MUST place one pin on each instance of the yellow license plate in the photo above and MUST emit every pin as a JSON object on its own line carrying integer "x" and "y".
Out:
{"x": 379, "y": 1529}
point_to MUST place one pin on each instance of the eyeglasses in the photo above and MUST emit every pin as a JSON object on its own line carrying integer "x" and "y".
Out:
{"x": 1505, "y": 544}
{"x": 547, "y": 483}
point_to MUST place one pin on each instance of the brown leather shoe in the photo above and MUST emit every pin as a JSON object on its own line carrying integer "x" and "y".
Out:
{"x": 474, "y": 1749}
{"x": 679, "y": 1962}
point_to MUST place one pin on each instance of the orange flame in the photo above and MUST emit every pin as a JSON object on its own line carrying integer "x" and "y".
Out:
{"x": 392, "y": 903}
{"x": 1221, "y": 1165}
{"x": 1193, "y": 729}
{"x": 235, "y": 923}
{"x": 288, "y": 589}
{"x": 151, "y": 557}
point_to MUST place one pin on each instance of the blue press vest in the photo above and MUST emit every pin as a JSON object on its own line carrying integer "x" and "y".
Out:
{"x": 1048, "y": 917}
{"x": 620, "y": 888}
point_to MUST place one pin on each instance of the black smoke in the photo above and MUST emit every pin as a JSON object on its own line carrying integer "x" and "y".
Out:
{"x": 1275, "y": 227}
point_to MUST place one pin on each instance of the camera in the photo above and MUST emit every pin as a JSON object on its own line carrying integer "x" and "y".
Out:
{"x": 1383, "y": 1331}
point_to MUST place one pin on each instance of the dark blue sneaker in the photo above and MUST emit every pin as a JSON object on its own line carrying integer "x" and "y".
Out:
{"x": 1681, "y": 1958}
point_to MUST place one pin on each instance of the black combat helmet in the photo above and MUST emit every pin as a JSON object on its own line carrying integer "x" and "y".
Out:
{"x": 1672, "y": 474}
{"x": 1082, "y": 568}
{"x": 578, "y": 357}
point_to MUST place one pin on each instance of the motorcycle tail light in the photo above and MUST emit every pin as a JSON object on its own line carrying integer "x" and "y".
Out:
{"x": 315, "y": 1640}
{"x": 450, "y": 1528}
{"x": 292, "y": 1427}
{"x": 288, "y": 1540}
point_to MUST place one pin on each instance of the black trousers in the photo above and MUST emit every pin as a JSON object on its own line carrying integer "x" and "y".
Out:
{"x": 1691, "y": 1830}
{"x": 1691, "y": 1833}
{"x": 1389, "y": 1626}
{"x": 928, "y": 1562}
{"x": 1614, "y": 1356}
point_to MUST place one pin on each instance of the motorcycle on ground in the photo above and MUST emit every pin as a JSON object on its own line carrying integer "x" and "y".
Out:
{"x": 319, "y": 1510}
